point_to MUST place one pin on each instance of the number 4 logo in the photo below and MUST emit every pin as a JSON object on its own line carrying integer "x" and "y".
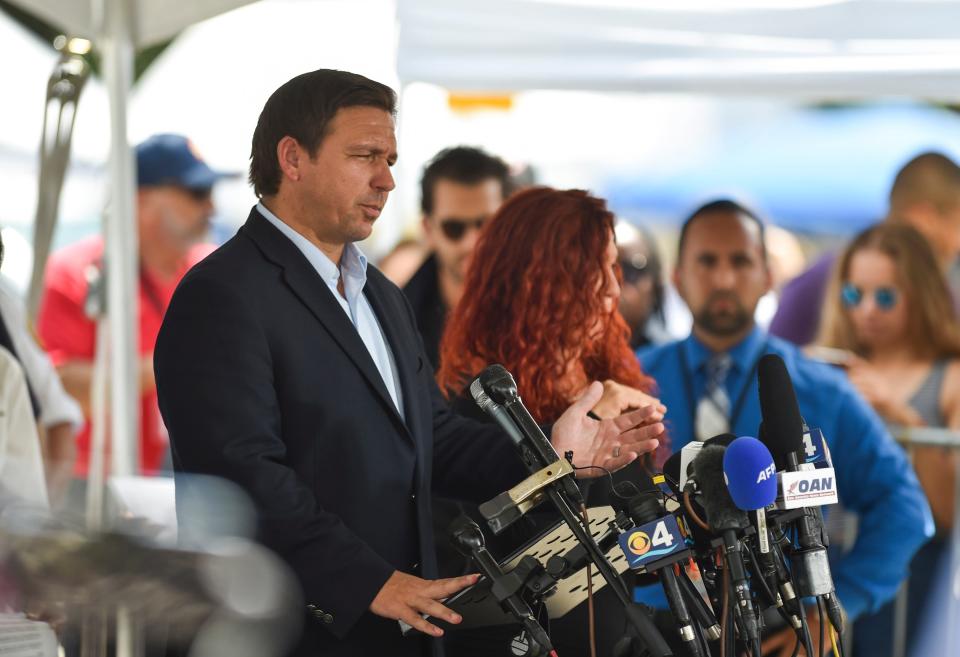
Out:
{"x": 808, "y": 447}
{"x": 662, "y": 535}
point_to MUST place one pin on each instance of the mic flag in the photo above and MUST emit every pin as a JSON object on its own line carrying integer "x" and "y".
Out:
{"x": 750, "y": 474}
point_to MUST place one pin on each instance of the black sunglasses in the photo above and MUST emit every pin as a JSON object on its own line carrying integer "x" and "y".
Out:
{"x": 455, "y": 229}
{"x": 199, "y": 194}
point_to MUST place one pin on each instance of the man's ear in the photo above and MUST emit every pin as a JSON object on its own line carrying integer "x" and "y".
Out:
{"x": 289, "y": 157}
{"x": 677, "y": 283}
{"x": 429, "y": 232}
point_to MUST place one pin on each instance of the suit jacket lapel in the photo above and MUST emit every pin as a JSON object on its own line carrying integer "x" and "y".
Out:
{"x": 404, "y": 354}
{"x": 313, "y": 292}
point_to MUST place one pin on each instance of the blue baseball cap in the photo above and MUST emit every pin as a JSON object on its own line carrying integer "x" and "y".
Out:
{"x": 169, "y": 159}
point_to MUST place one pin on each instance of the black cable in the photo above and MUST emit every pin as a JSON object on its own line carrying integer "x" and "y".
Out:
{"x": 804, "y": 630}
{"x": 766, "y": 587}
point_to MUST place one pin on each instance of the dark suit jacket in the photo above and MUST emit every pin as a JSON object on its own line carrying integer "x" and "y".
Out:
{"x": 263, "y": 380}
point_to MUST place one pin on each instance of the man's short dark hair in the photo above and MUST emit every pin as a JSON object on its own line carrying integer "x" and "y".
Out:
{"x": 464, "y": 165}
{"x": 930, "y": 177}
{"x": 722, "y": 206}
{"x": 302, "y": 108}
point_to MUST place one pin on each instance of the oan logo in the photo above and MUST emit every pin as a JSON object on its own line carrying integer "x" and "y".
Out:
{"x": 809, "y": 488}
{"x": 767, "y": 472}
{"x": 815, "y": 485}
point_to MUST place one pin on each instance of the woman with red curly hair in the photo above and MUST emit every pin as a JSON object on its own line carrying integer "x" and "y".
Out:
{"x": 541, "y": 299}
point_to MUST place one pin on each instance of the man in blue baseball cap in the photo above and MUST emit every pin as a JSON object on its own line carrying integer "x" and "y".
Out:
{"x": 174, "y": 205}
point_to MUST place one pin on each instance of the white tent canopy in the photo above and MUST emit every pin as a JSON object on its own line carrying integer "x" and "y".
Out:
{"x": 809, "y": 49}
{"x": 152, "y": 21}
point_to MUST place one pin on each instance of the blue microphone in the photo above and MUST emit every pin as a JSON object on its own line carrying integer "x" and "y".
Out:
{"x": 750, "y": 473}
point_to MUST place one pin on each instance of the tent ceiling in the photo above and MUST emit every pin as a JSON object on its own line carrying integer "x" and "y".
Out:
{"x": 842, "y": 49}
{"x": 154, "y": 20}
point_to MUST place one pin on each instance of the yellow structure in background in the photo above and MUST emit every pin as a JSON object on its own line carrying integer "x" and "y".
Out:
{"x": 467, "y": 102}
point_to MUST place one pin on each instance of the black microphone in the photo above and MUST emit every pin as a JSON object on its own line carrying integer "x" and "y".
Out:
{"x": 725, "y": 520}
{"x": 643, "y": 508}
{"x": 782, "y": 433}
{"x": 501, "y": 391}
{"x": 468, "y": 539}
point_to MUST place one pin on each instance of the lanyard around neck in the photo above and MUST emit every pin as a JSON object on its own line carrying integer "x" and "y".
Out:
{"x": 741, "y": 396}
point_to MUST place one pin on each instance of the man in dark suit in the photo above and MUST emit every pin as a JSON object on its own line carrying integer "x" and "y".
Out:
{"x": 288, "y": 366}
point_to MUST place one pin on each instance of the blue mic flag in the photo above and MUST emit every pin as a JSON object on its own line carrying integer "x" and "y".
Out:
{"x": 750, "y": 474}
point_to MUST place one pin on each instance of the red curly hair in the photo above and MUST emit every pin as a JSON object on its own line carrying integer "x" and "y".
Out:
{"x": 528, "y": 302}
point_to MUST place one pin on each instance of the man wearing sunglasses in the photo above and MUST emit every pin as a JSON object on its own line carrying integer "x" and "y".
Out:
{"x": 461, "y": 188}
{"x": 174, "y": 205}
{"x": 708, "y": 381}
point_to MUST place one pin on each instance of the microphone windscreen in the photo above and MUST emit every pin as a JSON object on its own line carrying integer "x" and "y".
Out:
{"x": 722, "y": 513}
{"x": 722, "y": 440}
{"x": 498, "y": 383}
{"x": 782, "y": 425}
{"x": 750, "y": 473}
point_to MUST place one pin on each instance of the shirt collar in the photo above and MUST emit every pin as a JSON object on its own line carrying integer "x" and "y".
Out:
{"x": 353, "y": 264}
{"x": 745, "y": 351}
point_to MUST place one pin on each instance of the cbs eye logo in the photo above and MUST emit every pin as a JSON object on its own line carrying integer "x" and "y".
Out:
{"x": 639, "y": 543}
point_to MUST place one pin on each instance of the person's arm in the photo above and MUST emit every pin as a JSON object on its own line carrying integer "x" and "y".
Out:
{"x": 77, "y": 377}
{"x": 875, "y": 480}
{"x": 936, "y": 466}
{"x": 59, "y": 452}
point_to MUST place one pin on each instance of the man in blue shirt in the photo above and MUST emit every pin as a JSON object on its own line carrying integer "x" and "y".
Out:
{"x": 708, "y": 382}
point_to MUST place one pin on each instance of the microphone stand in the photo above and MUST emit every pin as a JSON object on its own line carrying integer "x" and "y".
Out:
{"x": 559, "y": 494}
{"x": 495, "y": 390}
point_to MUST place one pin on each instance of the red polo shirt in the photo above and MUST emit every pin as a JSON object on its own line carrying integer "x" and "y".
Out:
{"x": 68, "y": 334}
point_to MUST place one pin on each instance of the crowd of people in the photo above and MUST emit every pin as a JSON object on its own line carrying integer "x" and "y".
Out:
{"x": 285, "y": 362}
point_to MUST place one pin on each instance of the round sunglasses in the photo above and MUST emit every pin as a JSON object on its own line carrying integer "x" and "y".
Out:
{"x": 884, "y": 297}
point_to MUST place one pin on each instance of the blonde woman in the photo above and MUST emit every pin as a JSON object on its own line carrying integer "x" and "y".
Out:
{"x": 889, "y": 306}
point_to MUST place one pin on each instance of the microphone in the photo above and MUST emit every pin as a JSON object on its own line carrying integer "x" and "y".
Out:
{"x": 495, "y": 411}
{"x": 645, "y": 508}
{"x": 782, "y": 432}
{"x": 751, "y": 477}
{"x": 501, "y": 390}
{"x": 725, "y": 519}
{"x": 750, "y": 474}
{"x": 468, "y": 539}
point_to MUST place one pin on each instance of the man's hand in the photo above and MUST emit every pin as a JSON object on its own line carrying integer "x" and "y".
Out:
{"x": 783, "y": 642}
{"x": 610, "y": 444}
{"x": 405, "y": 597}
{"x": 618, "y": 398}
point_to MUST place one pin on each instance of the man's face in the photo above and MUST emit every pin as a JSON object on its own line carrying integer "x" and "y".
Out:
{"x": 453, "y": 227}
{"x": 344, "y": 186}
{"x": 177, "y": 216}
{"x": 721, "y": 273}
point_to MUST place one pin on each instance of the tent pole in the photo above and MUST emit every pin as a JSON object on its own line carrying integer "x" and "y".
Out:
{"x": 121, "y": 247}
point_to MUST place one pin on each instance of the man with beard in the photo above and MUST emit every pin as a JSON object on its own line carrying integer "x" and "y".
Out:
{"x": 174, "y": 206}
{"x": 708, "y": 382}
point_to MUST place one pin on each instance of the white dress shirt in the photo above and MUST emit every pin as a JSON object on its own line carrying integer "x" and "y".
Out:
{"x": 21, "y": 462}
{"x": 353, "y": 268}
{"x": 56, "y": 406}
